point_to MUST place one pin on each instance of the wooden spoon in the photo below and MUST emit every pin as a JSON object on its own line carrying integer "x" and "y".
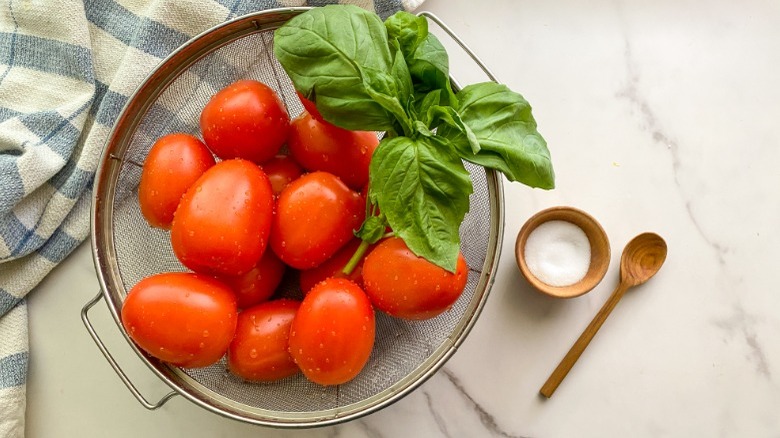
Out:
{"x": 641, "y": 259}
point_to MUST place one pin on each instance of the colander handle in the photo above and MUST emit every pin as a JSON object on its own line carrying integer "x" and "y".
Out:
{"x": 141, "y": 399}
{"x": 432, "y": 17}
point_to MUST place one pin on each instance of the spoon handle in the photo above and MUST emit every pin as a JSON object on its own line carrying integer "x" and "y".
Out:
{"x": 576, "y": 350}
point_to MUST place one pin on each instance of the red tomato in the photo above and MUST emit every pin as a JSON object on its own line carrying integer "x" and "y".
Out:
{"x": 333, "y": 268}
{"x": 173, "y": 164}
{"x": 259, "y": 351}
{"x": 321, "y": 146}
{"x": 309, "y": 106}
{"x": 332, "y": 335}
{"x": 315, "y": 216}
{"x": 221, "y": 226}
{"x": 406, "y": 286}
{"x": 245, "y": 120}
{"x": 281, "y": 170}
{"x": 260, "y": 283}
{"x": 181, "y": 318}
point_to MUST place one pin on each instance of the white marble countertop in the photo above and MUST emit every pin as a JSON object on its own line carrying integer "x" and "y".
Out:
{"x": 661, "y": 116}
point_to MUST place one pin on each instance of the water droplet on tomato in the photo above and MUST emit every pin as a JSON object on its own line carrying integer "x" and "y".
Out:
{"x": 322, "y": 345}
{"x": 253, "y": 353}
{"x": 202, "y": 344}
{"x": 205, "y": 333}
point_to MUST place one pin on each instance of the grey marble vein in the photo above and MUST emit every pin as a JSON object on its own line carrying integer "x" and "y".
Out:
{"x": 369, "y": 430}
{"x": 441, "y": 423}
{"x": 649, "y": 121}
{"x": 742, "y": 325}
{"x": 484, "y": 416}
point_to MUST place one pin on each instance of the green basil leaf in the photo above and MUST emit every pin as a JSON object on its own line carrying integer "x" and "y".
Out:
{"x": 372, "y": 229}
{"x": 423, "y": 189}
{"x": 409, "y": 29}
{"x": 395, "y": 92}
{"x": 425, "y": 55}
{"x": 338, "y": 57}
{"x": 448, "y": 115}
{"x": 506, "y": 131}
{"x": 424, "y": 102}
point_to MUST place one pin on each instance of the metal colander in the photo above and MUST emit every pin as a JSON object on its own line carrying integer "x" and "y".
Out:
{"x": 126, "y": 249}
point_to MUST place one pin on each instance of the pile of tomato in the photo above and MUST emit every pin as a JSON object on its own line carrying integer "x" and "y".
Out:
{"x": 260, "y": 197}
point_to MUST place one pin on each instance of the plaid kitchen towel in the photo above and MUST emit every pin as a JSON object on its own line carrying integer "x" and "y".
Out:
{"x": 66, "y": 70}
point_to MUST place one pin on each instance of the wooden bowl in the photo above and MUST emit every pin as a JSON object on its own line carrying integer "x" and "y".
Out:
{"x": 599, "y": 250}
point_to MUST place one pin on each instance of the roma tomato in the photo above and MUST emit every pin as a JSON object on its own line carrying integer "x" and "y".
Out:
{"x": 332, "y": 335}
{"x": 259, "y": 351}
{"x": 406, "y": 286}
{"x": 281, "y": 170}
{"x": 260, "y": 283}
{"x": 315, "y": 216}
{"x": 222, "y": 223}
{"x": 181, "y": 318}
{"x": 173, "y": 164}
{"x": 333, "y": 268}
{"x": 318, "y": 145}
{"x": 246, "y": 120}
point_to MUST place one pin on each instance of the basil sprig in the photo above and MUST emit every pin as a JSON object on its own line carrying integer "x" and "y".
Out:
{"x": 364, "y": 74}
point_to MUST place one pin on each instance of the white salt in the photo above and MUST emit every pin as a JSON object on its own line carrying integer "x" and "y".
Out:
{"x": 558, "y": 253}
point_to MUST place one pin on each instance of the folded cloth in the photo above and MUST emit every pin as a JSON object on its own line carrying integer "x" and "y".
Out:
{"x": 66, "y": 70}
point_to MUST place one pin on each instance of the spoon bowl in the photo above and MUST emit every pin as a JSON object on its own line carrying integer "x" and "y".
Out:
{"x": 642, "y": 257}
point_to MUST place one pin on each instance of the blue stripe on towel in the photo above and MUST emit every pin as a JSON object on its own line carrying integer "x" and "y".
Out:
{"x": 7, "y": 301}
{"x": 46, "y": 55}
{"x": 140, "y": 32}
{"x": 12, "y": 188}
{"x": 53, "y": 130}
{"x": 59, "y": 245}
{"x": 13, "y": 370}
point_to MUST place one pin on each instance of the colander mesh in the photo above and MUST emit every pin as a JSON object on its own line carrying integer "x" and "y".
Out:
{"x": 401, "y": 347}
